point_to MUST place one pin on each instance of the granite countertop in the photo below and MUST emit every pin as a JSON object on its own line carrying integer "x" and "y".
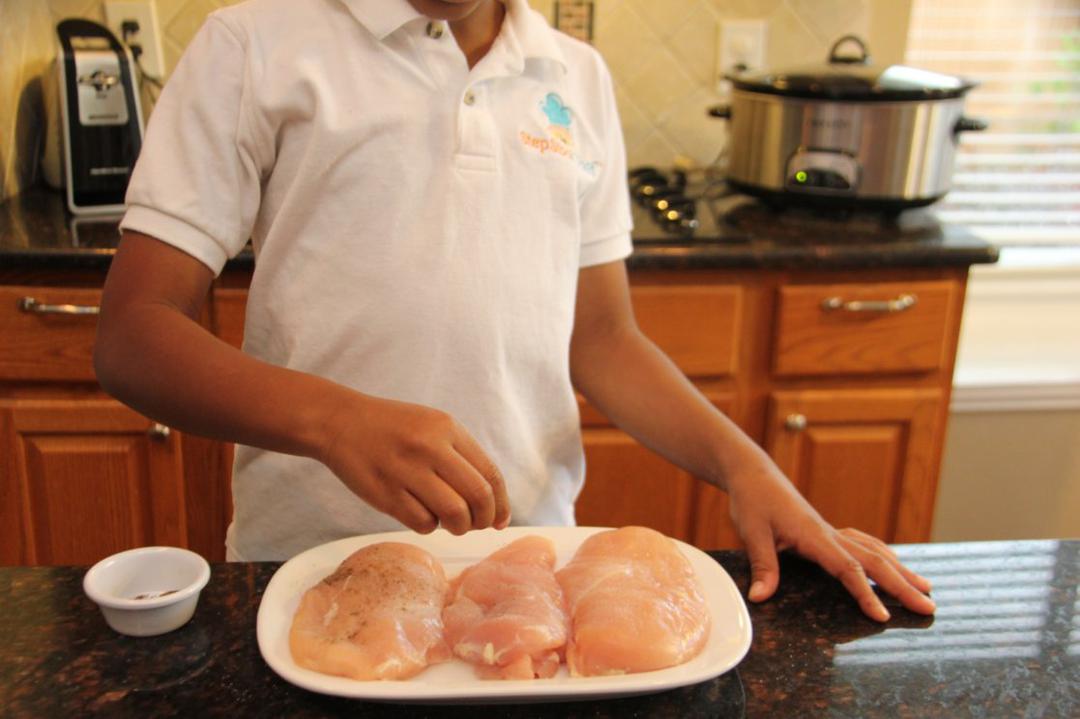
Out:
{"x": 1005, "y": 642}
{"x": 37, "y": 232}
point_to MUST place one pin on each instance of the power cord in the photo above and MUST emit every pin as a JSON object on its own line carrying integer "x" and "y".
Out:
{"x": 128, "y": 29}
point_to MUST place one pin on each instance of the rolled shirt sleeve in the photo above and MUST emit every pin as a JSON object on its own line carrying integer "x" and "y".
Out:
{"x": 196, "y": 184}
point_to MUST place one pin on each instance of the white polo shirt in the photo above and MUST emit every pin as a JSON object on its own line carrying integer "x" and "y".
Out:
{"x": 418, "y": 229}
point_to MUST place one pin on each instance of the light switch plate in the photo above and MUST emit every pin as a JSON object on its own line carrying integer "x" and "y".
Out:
{"x": 149, "y": 35}
{"x": 740, "y": 43}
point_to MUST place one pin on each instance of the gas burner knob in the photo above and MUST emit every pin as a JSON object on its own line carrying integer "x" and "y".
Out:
{"x": 689, "y": 224}
{"x": 648, "y": 193}
{"x": 673, "y": 202}
{"x": 677, "y": 216}
{"x": 646, "y": 182}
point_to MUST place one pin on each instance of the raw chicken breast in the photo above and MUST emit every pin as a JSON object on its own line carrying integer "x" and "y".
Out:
{"x": 635, "y": 604}
{"x": 506, "y": 613}
{"x": 378, "y": 616}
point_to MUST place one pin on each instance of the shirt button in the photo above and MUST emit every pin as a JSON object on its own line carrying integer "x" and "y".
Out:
{"x": 434, "y": 30}
{"x": 470, "y": 97}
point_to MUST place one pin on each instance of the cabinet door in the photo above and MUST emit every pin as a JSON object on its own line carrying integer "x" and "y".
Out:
{"x": 627, "y": 484}
{"x": 864, "y": 458}
{"x": 83, "y": 478}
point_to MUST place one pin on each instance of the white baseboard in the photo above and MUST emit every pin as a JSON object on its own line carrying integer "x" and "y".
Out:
{"x": 1016, "y": 396}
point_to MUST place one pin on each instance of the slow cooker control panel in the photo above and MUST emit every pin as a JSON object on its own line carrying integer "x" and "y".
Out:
{"x": 822, "y": 171}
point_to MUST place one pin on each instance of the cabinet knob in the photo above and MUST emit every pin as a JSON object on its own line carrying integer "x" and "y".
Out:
{"x": 795, "y": 422}
{"x": 159, "y": 431}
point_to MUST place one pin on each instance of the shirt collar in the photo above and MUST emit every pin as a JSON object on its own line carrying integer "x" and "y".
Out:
{"x": 525, "y": 29}
{"x": 530, "y": 33}
{"x": 382, "y": 17}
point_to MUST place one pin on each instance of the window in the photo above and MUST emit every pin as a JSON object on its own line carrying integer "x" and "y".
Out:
{"x": 1017, "y": 183}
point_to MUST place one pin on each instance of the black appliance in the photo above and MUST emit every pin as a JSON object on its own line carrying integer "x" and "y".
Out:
{"x": 100, "y": 126}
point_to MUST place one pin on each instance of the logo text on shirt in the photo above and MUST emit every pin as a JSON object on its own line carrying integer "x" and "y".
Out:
{"x": 559, "y": 139}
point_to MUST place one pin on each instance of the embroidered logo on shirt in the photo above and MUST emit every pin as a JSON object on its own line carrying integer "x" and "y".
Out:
{"x": 560, "y": 139}
{"x": 559, "y": 117}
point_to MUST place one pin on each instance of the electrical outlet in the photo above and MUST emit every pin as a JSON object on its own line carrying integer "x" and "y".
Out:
{"x": 740, "y": 46}
{"x": 148, "y": 36}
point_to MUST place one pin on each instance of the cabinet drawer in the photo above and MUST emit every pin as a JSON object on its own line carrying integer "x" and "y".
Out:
{"x": 697, "y": 327}
{"x": 864, "y": 328}
{"x": 48, "y": 332}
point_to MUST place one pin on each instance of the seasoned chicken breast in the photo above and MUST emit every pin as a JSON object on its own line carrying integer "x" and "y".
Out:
{"x": 635, "y": 604}
{"x": 506, "y": 613}
{"x": 378, "y": 616}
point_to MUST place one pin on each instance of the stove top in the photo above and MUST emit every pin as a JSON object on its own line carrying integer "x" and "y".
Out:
{"x": 677, "y": 207}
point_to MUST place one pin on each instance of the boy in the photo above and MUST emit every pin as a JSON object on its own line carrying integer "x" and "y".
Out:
{"x": 436, "y": 195}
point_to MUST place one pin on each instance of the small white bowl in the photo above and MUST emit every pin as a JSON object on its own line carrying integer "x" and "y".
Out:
{"x": 147, "y": 591}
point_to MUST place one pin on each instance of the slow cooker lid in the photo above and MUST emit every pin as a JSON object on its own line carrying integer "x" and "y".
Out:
{"x": 853, "y": 77}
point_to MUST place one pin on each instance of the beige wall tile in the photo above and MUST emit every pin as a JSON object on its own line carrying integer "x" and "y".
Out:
{"x": 660, "y": 83}
{"x": 790, "y": 41}
{"x": 745, "y": 8}
{"x": 694, "y": 43}
{"x": 623, "y": 38}
{"x": 656, "y": 149}
{"x": 695, "y": 134}
{"x": 664, "y": 17}
{"x": 636, "y": 126}
{"x": 831, "y": 19}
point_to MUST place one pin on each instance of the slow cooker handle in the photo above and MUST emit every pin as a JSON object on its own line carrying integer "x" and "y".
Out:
{"x": 862, "y": 59}
{"x": 721, "y": 111}
{"x": 969, "y": 124}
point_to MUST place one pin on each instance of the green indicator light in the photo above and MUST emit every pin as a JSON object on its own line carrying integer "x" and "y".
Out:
{"x": 801, "y": 176}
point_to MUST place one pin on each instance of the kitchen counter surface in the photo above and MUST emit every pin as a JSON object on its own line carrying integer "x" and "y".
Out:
{"x": 36, "y": 232}
{"x": 1005, "y": 642}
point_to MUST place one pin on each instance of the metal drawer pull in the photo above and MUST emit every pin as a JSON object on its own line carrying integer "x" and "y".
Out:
{"x": 159, "y": 431}
{"x": 901, "y": 303}
{"x": 29, "y": 304}
{"x": 795, "y": 422}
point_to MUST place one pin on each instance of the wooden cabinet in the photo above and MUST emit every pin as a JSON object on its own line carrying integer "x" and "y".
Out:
{"x": 81, "y": 475}
{"x": 843, "y": 377}
{"x": 863, "y": 457}
{"x": 83, "y": 478}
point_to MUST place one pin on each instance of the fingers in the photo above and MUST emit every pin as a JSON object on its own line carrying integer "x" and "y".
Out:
{"x": 890, "y": 575}
{"x": 467, "y": 482}
{"x": 467, "y": 447}
{"x": 408, "y": 510}
{"x": 443, "y": 501}
{"x": 764, "y": 567}
{"x": 872, "y": 543}
{"x": 464, "y": 490}
{"x": 838, "y": 562}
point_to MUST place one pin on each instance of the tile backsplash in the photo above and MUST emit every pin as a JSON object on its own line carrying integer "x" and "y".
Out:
{"x": 662, "y": 55}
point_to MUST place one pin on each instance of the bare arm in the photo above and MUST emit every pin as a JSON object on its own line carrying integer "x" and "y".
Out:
{"x": 412, "y": 462}
{"x": 622, "y": 373}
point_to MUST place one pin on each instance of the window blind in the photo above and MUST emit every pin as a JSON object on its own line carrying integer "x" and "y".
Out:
{"x": 1017, "y": 183}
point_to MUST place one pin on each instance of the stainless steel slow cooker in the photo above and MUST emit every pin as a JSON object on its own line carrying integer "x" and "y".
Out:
{"x": 845, "y": 134}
